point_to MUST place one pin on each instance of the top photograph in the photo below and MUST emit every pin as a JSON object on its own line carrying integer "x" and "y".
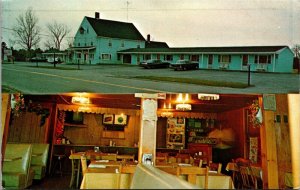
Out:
{"x": 133, "y": 46}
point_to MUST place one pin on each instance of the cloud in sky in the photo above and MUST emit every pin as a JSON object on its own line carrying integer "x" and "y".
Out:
{"x": 190, "y": 23}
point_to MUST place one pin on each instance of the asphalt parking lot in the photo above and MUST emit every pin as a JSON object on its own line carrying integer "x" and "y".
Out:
{"x": 117, "y": 79}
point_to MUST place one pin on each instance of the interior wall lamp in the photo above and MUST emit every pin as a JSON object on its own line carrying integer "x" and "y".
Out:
{"x": 80, "y": 99}
{"x": 182, "y": 105}
{"x": 208, "y": 96}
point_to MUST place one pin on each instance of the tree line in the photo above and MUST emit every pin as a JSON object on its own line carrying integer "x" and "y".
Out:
{"x": 27, "y": 34}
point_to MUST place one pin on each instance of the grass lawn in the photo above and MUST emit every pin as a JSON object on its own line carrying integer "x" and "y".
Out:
{"x": 195, "y": 81}
{"x": 52, "y": 67}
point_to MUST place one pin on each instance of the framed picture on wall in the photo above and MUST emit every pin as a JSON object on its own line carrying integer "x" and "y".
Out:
{"x": 120, "y": 119}
{"x": 108, "y": 119}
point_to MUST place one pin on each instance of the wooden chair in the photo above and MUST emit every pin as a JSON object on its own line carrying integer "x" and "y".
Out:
{"x": 83, "y": 164}
{"x": 200, "y": 163}
{"x": 215, "y": 167}
{"x": 193, "y": 172}
{"x": 75, "y": 170}
{"x": 109, "y": 157}
{"x": 170, "y": 170}
{"x": 162, "y": 157}
{"x": 248, "y": 179}
{"x": 183, "y": 158}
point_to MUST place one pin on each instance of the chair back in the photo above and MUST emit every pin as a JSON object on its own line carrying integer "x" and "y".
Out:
{"x": 39, "y": 154}
{"x": 22, "y": 151}
{"x": 109, "y": 157}
{"x": 83, "y": 164}
{"x": 183, "y": 158}
{"x": 193, "y": 172}
{"x": 200, "y": 163}
{"x": 215, "y": 167}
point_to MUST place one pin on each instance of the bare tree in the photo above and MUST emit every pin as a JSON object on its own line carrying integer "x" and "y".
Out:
{"x": 296, "y": 50}
{"x": 48, "y": 44}
{"x": 26, "y": 31}
{"x": 58, "y": 32}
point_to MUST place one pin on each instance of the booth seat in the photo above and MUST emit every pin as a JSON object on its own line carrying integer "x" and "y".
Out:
{"x": 16, "y": 172}
{"x": 39, "y": 160}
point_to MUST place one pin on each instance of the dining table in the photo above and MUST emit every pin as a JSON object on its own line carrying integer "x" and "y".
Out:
{"x": 108, "y": 175}
{"x": 215, "y": 180}
{"x": 91, "y": 155}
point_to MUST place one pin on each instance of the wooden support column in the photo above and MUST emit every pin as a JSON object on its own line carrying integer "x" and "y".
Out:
{"x": 147, "y": 142}
{"x": 294, "y": 125}
{"x": 269, "y": 151}
{"x": 5, "y": 117}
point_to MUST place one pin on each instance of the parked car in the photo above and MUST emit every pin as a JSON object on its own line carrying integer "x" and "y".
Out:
{"x": 38, "y": 59}
{"x": 154, "y": 63}
{"x": 184, "y": 65}
{"x": 51, "y": 60}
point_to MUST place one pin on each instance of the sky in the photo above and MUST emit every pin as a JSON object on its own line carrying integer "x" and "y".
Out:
{"x": 180, "y": 23}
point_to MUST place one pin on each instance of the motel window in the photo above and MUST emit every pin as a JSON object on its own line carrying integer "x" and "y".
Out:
{"x": 195, "y": 58}
{"x": 138, "y": 46}
{"x": 92, "y": 43}
{"x": 181, "y": 56}
{"x": 264, "y": 59}
{"x": 87, "y": 30}
{"x": 122, "y": 44}
{"x": 210, "y": 59}
{"x": 78, "y": 44}
{"x": 109, "y": 43}
{"x": 169, "y": 57}
{"x": 158, "y": 56}
{"x": 106, "y": 56}
{"x": 245, "y": 60}
{"x": 224, "y": 58}
{"x": 119, "y": 57}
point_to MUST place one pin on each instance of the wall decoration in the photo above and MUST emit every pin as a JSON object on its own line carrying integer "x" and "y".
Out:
{"x": 253, "y": 149}
{"x": 269, "y": 102}
{"x": 120, "y": 119}
{"x": 108, "y": 119}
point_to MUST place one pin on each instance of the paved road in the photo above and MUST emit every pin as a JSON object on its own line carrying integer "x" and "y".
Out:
{"x": 112, "y": 79}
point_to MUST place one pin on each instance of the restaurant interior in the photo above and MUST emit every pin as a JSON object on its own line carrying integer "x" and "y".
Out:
{"x": 162, "y": 140}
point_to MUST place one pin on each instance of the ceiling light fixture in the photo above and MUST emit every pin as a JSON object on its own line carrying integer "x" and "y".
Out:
{"x": 80, "y": 99}
{"x": 182, "y": 105}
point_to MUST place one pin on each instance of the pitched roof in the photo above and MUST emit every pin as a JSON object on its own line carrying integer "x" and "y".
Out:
{"x": 115, "y": 29}
{"x": 241, "y": 49}
{"x": 153, "y": 44}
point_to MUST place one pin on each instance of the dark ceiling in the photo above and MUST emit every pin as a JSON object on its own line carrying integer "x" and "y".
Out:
{"x": 129, "y": 101}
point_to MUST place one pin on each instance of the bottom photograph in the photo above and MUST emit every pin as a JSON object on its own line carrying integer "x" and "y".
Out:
{"x": 156, "y": 141}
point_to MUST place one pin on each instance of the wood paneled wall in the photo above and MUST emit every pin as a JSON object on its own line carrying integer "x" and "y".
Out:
{"x": 161, "y": 132}
{"x": 26, "y": 128}
{"x": 235, "y": 119}
{"x": 282, "y": 139}
{"x": 92, "y": 133}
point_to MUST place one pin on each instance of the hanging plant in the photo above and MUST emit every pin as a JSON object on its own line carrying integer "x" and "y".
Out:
{"x": 17, "y": 104}
{"x": 254, "y": 112}
{"x": 39, "y": 110}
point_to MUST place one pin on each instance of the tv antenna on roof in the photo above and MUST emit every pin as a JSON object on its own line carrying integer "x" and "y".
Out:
{"x": 127, "y": 5}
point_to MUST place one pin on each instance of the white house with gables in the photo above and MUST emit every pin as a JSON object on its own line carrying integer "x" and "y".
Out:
{"x": 100, "y": 41}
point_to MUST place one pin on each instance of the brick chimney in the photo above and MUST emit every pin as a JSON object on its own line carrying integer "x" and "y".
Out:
{"x": 148, "y": 38}
{"x": 97, "y": 15}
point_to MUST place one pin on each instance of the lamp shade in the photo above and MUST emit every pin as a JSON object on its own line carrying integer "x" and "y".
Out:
{"x": 225, "y": 136}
